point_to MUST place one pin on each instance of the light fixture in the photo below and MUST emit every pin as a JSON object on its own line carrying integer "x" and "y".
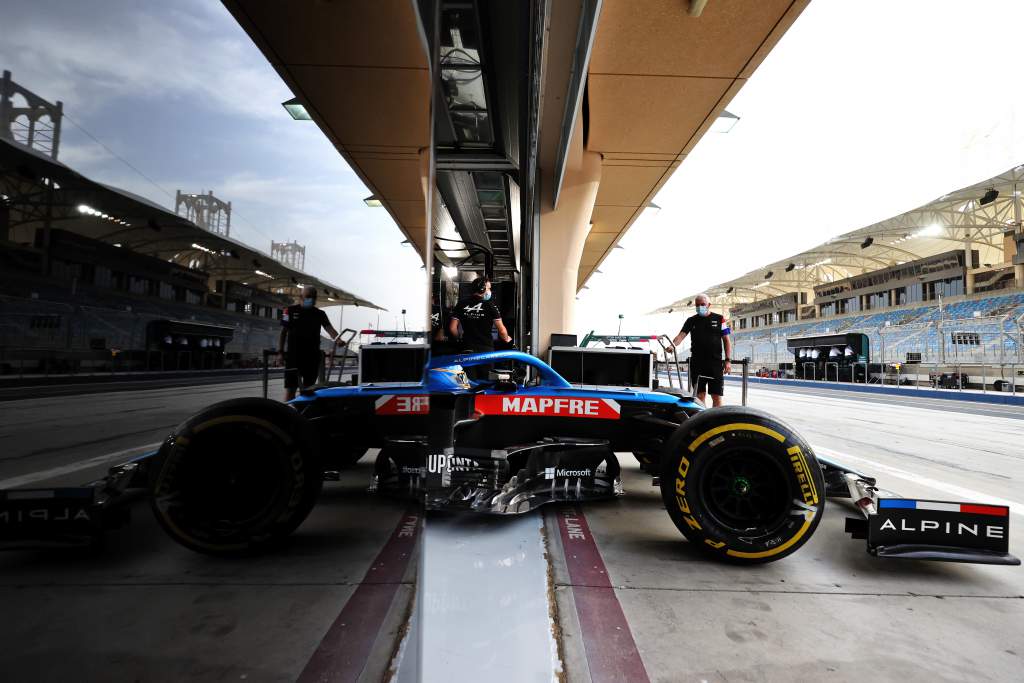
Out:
{"x": 867, "y": 242}
{"x": 729, "y": 291}
{"x": 85, "y": 208}
{"x": 652, "y": 205}
{"x": 790, "y": 267}
{"x": 450, "y": 271}
{"x": 724, "y": 123}
{"x": 989, "y": 196}
{"x": 373, "y": 201}
{"x": 296, "y": 109}
{"x": 201, "y": 248}
{"x": 768, "y": 275}
{"x": 260, "y": 272}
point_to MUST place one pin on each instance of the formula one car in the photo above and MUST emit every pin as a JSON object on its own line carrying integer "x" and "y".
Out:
{"x": 739, "y": 484}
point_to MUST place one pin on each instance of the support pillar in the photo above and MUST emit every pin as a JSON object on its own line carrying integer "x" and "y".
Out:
{"x": 563, "y": 232}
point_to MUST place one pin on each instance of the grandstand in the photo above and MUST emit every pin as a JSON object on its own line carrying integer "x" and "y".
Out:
{"x": 94, "y": 278}
{"x": 941, "y": 286}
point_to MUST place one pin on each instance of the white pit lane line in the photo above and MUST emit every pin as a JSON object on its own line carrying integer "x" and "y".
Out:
{"x": 108, "y": 459}
{"x": 965, "y": 495}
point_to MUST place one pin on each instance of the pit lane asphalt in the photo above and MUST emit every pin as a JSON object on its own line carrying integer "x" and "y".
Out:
{"x": 830, "y": 610}
{"x": 55, "y": 434}
{"x": 143, "y": 608}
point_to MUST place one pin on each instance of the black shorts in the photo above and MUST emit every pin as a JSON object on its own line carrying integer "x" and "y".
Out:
{"x": 299, "y": 366}
{"x": 706, "y": 376}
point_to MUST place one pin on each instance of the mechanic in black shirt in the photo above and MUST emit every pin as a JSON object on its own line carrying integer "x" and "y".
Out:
{"x": 708, "y": 332}
{"x": 477, "y": 316}
{"x": 300, "y": 331}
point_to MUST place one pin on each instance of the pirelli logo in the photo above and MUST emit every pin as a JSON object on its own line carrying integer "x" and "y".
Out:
{"x": 553, "y": 406}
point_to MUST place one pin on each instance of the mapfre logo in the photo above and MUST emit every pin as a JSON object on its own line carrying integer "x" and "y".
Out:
{"x": 553, "y": 406}
{"x": 394, "y": 404}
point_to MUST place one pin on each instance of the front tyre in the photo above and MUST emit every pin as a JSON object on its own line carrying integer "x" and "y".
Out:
{"x": 742, "y": 485}
{"x": 237, "y": 477}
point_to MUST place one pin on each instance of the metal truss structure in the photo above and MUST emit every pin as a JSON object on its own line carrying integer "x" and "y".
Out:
{"x": 976, "y": 217}
{"x": 205, "y": 210}
{"x": 38, "y": 194}
{"x": 28, "y": 119}
{"x": 291, "y": 254}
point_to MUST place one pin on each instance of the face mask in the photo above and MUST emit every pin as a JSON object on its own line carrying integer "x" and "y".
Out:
{"x": 307, "y": 303}
{"x": 702, "y": 310}
{"x": 487, "y": 296}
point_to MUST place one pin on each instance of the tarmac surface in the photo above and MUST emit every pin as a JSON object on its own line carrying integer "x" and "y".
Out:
{"x": 142, "y": 608}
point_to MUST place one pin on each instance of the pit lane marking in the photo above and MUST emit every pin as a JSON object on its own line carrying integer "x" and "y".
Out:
{"x": 968, "y": 495}
{"x": 54, "y": 472}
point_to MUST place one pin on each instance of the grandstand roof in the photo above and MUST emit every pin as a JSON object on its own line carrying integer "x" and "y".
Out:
{"x": 939, "y": 226}
{"x": 118, "y": 217}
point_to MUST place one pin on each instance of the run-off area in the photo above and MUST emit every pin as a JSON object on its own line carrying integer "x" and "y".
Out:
{"x": 608, "y": 592}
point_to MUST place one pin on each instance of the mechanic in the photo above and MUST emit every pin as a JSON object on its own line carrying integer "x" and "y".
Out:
{"x": 710, "y": 332}
{"x": 300, "y": 335}
{"x": 477, "y": 316}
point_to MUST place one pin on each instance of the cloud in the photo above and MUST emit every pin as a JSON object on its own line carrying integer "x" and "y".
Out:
{"x": 186, "y": 52}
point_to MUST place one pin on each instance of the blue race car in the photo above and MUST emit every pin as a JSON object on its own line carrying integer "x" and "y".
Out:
{"x": 738, "y": 483}
{"x": 241, "y": 475}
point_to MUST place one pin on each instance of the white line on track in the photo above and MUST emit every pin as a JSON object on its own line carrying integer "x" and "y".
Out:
{"x": 106, "y": 459}
{"x": 967, "y": 495}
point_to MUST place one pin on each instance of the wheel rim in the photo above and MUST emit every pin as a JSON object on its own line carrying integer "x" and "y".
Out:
{"x": 232, "y": 478}
{"x": 745, "y": 490}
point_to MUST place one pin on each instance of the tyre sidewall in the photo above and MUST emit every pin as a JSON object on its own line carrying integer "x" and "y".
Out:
{"x": 291, "y": 449}
{"x": 693, "y": 449}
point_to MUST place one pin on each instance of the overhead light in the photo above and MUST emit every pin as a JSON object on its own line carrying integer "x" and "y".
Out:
{"x": 724, "y": 122}
{"x": 331, "y": 299}
{"x": 373, "y": 200}
{"x": 84, "y": 208}
{"x": 296, "y": 109}
{"x": 652, "y": 205}
{"x": 117, "y": 244}
{"x": 260, "y": 272}
{"x": 728, "y": 291}
{"x": 931, "y": 231}
{"x": 867, "y": 242}
{"x": 768, "y": 275}
{"x": 201, "y": 248}
{"x": 989, "y": 196}
{"x": 450, "y": 271}
{"x": 405, "y": 243}
{"x": 790, "y": 267}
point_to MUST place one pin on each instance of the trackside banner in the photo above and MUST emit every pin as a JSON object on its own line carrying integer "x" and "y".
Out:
{"x": 548, "y": 406}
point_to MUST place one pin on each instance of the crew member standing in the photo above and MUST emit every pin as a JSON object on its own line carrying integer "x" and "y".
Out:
{"x": 477, "y": 316}
{"x": 300, "y": 342}
{"x": 709, "y": 333}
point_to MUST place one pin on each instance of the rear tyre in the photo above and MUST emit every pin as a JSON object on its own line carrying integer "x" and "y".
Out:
{"x": 237, "y": 477}
{"x": 742, "y": 485}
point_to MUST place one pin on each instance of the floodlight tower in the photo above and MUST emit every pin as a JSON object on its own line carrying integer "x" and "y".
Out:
{"x": 205, "y": 210}
{"x": 291, "y": 254}
{"x": 28, "y": 119}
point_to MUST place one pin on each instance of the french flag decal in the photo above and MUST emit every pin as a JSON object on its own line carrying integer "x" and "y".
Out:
{"x": 905, "y": 504}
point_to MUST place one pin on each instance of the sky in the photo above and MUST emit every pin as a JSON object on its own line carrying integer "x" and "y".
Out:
{"x": 862, "y": 111}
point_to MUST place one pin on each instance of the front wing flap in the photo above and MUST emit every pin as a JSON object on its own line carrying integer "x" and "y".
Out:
{"x": 902, "y": 528}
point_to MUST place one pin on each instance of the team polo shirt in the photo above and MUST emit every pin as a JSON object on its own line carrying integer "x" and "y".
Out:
{"x": 706, "y": 333}
{"x": 477, "y": 317}
{"x": 303, "y": 325}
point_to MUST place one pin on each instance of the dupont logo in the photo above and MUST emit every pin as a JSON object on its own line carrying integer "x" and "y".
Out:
{"x": 553, "y": 472}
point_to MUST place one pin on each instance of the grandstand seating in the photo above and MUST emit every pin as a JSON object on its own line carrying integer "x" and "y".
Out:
{"x": 995, "y": 320}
